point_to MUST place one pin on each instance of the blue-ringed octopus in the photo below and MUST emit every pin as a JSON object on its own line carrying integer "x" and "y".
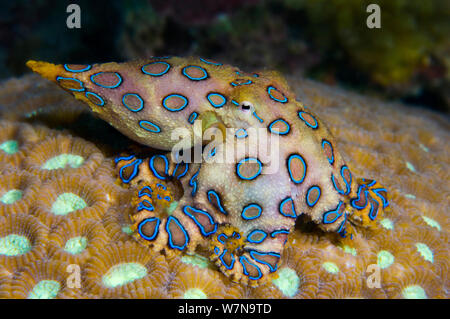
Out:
{"x": 239, "y": 200}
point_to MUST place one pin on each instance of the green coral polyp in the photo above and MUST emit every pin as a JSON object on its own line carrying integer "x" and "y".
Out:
{"x": 11, "y": 196}
{"x": 431, "y": 222}
{"x": 62, "y": 160}
{"x": 330, "y": 267}
{"x": 196, "y": 260}
{"x": 195, "y": 293}
{"x": 122, "y": 274}
{"x": 425, "y": 251}
{"x": 387, "y": 223}
{"x": 414, "y": 292}
{"x": 384, "y": 259}
{"x": 10, "y": 147}
{"x": 45, "y": 289}
{"x": 288, "y": 281}
{"x": 410, "y": 167}
{"x": 127, "y": 230}
{"x": 76, "y": 245}
{"x": 67, "y": 203}
{"x": 14, "y": 245}
{"x": 349, "y": 250}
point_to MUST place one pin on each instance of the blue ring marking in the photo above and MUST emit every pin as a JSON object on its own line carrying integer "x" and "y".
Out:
{"x": 384, "y": 200}
{"x": 77, "y": 71}
{"x": 186, "y": 165}
{"x": 212, "y": 153}
{"x": 192, "y": 117}
{"x": 205, "y": 74}
{"x": 97, "y": 96}
{"x": 156, "y": 129}
{"x": 223, "y": 262}
{"x": 288, "y": 127}
{"x": 145, "y": 191}
{"x": 145, "y": 204}
{"x": 136, "y": 95}
{"x": 280, "y": 231}
{"x": 152, "y": 167}
{"x": 256, "y": 75}
{"x": 259, "y": 119}
{"x": 224, "y": 100}
{"x": 269, "y": 91}
{"x": 245, "y": 269}
{"x": 255, "y": 232}
{"x": 373, "y": 213}
{"x": 123, "y": 158}
{"x": 281, "y": 207}
{"x": 334, "y": 184}
{"x": 58, "y": 78}
{"x": 209, "y": 62}
{"x": 107, "y": 86}
{"x": 311, "y": 126}
{"x": 357, "y": 199}
{"x": 318, "y": 197}
{"x": 241, "y": 133}
{"x": 161, "y": 185}
{"x": 250, "y": 206}
{"x": 334, "y": 211}
{"x": 289, "y": 168}
{"x": 255, "y": 252}
{"x": 186, "y": 236}
{"x": 161, "y": 57}
{"x": 216, "y": 250}
{"x": 149, "y": 220}
{"x": 347, "y": 184}
{"x": 236, "y": 235}
{"x": 244, "y": 161}
{"x": 159, "y": 197}
{"x": 373, "y": 182}
{"x": 176, "y": 95}
{"x": 202, "y": 229}
{"x": 239, "y": 84}
{"x": 219, "y": 202}
{"x": 193, "y": 182}
{"x": 222, "y": 241}
{"x": 167, "y": 198}
{"x": 330, "y": 160}
{"x": 341, "y": 227}
{"x": 136, "y": 164}
{"x": 156, "y": 74}
{"x": 235, "y": 103}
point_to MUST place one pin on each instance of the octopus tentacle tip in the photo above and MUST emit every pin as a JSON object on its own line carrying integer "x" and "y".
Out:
{"x": 45, "y": 69}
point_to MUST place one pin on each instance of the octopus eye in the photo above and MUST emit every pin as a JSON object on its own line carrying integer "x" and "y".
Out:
{"x": 246, "y": 106}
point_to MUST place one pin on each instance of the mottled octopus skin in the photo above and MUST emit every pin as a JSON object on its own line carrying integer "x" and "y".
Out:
{"x": 241, "y": 209}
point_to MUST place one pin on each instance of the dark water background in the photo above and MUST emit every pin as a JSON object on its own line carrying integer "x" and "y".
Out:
{"x": 328, "y": 40}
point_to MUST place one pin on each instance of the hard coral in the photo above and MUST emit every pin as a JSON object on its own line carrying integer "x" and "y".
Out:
{"x": 67, "y": 196}
{"x": 22, "y": 240}
{"x": 125, "y": 270}
{"x": 61, "y": 155}
{"x": 407, "y": 149}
